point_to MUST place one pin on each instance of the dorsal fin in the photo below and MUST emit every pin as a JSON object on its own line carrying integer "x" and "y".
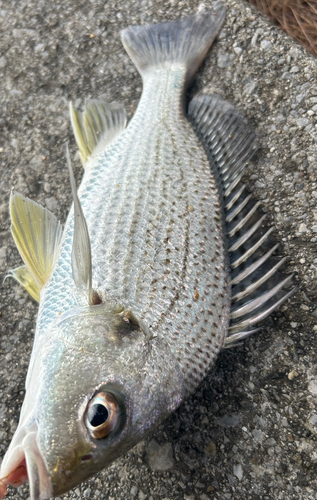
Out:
{"x": 97, "y": 126}
{"x": 37, "y": 234}
{"x": 81, "y": 251}
{"x": 257, "y": 284}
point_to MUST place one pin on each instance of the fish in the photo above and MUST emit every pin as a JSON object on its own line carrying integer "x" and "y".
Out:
{"x": 164, "y": 260}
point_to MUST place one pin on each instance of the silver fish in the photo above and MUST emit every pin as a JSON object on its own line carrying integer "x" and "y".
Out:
{"x": 135, "y": 293}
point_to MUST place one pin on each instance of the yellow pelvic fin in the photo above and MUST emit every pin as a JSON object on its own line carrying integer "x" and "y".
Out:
{"x": 97, "y": 126}
{"x": 37, "y": 234}
{"x": 22, "y": 275}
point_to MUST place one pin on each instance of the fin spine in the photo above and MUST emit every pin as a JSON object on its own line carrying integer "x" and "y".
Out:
{"x": 258, "y": 287}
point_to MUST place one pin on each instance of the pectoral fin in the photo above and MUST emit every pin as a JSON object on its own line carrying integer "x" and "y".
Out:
{"x": 97, "y": 126}
{"x": 37, "y": 234}
{"x": 22, "y": 275}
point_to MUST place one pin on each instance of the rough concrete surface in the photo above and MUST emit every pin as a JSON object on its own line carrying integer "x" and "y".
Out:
{"x": 249, "y": 432}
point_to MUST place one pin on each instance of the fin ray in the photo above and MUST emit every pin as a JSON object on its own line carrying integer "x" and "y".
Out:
{"x": 186, "y": 41}
{"x": 22, "y": 276}
{"x": 257, "y": 284}
{"x": 97, "y": 126}
{"x": 81, "y": 250}
{"x": 37, "y": 234}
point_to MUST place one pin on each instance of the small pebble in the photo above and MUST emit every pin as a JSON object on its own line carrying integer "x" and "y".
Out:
{"x": 224, "y": 60}
{"x": 302, "y": 228}
{"x": 238, "y": 471}
{"x": 313, "y": 419}
{"x": 51, "y": 203}
{"x": 238, "y": 50}
{"x": 302, "y": 122}
{"x": 312, "y": 386}
{"x": 3, "y": 62}
{"x": 160, "y": 457}
{"x": 266, "y": 44}
{"x": 293, "y": 374}
{"x": 134, "y": 491}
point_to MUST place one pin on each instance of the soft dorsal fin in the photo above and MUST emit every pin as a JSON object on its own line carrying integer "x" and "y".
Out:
{"x": 37, "y": 234}
{"x": 258, "y": 287}
{"x": 81, "y": 251}
{"x": 97, "y": 126}
{"x": 22, "y": 276}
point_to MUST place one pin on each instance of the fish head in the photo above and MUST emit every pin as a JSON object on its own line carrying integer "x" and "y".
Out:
{"x": 96, "y": 387}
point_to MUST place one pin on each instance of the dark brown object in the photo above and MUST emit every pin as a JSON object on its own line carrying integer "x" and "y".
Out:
{"x": 297, "y": 17}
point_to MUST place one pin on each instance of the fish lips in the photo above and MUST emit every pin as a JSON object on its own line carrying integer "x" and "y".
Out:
{"x": 24, "y": 462}
{"x": 90, "y": 455}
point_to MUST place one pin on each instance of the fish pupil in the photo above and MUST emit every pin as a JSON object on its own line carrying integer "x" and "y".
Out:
{"x": 97, "y": 415}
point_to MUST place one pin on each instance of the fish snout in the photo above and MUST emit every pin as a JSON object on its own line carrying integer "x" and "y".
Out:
{"x": 24, "y": 462}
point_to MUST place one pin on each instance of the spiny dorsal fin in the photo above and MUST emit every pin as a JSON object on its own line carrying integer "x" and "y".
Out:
{"x": 258, "y": 287}
{"x": 97, "y": 126}
{"x": 22, "y": 275}
{"x": 37, "y": 234}
{"x": 81, "y": 251}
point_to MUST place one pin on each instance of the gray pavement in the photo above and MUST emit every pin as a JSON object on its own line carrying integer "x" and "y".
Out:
{"x": 249, "y": 432}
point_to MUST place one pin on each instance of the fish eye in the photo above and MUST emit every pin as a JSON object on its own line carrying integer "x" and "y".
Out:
{"x": 102, "y": 415}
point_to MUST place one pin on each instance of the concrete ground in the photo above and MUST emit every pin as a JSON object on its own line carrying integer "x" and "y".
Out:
{"x": 249, "y": 432}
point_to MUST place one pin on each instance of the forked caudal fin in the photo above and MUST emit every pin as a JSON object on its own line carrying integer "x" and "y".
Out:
{"x": 186, "y": 41}
{"x": 258, "y": 287}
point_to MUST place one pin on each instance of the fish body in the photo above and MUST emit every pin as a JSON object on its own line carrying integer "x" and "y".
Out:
{"x": 131, "y": 317}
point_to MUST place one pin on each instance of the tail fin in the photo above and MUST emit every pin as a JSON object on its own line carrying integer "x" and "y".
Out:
{"x": 184, "y": 41}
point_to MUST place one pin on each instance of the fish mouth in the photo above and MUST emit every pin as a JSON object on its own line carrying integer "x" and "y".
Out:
{"x": 23, "y": 462}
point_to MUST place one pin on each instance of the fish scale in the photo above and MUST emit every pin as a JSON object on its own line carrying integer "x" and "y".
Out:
{"x": 135, "y": 300}
{"x": 129, "y": 275}
{"x": 122, "y": 273}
